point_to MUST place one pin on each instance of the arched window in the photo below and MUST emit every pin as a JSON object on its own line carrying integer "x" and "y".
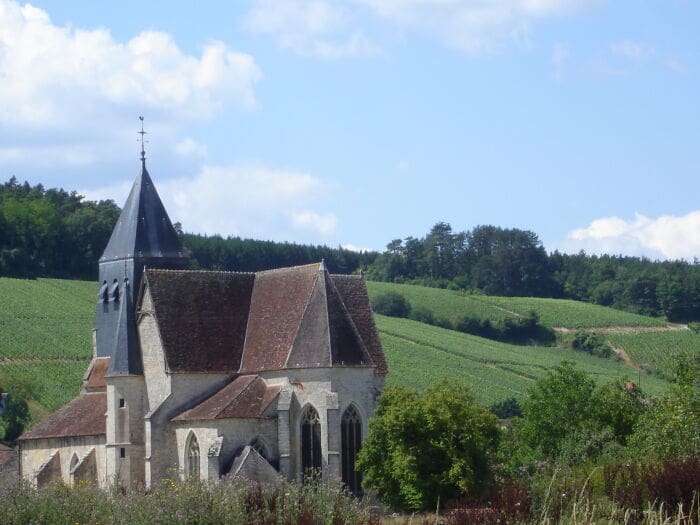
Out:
{"x": 73, "y": 462}
{"x": 350, "y": 443}
{"x": 192, "y": 456}
{"x": 103, "y": 294}
{"x": 310, "y": 442}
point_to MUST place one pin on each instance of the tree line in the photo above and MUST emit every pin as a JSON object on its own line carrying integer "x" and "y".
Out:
{"x": 513, "y": 262}
{"x": 57, "y": 233}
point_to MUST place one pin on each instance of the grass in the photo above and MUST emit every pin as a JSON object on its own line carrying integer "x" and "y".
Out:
{"x": 553, "y": 312}
{"x": 419, "y": 354}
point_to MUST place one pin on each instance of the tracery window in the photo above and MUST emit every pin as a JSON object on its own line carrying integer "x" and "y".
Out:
{"x": 310, "y": 442}
{"x": 192, "y": 451}
{"x": 350, "y": 443}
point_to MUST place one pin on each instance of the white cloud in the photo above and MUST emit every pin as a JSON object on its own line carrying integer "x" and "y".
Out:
{"x": 190, "y": 148}
{"x": 560, "y": 57}
{"x": 316, "y": 28}
{"x": 250, "y": 201}
{"x": 475, "y": 27}
{"x": 665, "y": 237}
{"x": 310, "y": 220}
{"x": 354, "y": 248}
{"x": 80, "y": 84}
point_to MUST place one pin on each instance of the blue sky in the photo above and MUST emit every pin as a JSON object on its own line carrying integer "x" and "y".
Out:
{"x": 353, "y": 123}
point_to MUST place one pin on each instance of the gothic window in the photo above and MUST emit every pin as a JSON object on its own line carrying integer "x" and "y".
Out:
{"x": 73, "y": 462}
{"x": 192, "y": 456}
{"x": 114, "y": 293}
{"x": 103, "y": 295}
{"x": 350, "y": 443}
{"x": 310, "y": 442}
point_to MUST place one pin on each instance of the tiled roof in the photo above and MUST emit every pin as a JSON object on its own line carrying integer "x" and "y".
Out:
{"x": 202, "y": 317}
{"x": 84, "y": 416}
{"x": 277, "y": 306}
{"x": 245, "y": 397}
{"x": 353, "y": 291}
{"x": 298, "y": 317}
{"x": 95, "y": 377}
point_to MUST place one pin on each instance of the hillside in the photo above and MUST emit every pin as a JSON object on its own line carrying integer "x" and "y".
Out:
{"x": 554, "y": 313}
{"x": 46, "y": 324}
{"x": 419, "y": 354}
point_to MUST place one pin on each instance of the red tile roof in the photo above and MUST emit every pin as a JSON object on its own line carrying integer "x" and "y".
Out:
{"x": 202, "y": 317}
{"x": 95, "y": 379}
{"x": 353, "y": 291}
{"x": 298, "y": 317}
{"x": 245, "y": 397}
{"x": 84, "y": 416}
{"x": 279, "y": 300}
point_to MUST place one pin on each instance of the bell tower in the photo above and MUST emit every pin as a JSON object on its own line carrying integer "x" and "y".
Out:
{"x": 143, "y": 236}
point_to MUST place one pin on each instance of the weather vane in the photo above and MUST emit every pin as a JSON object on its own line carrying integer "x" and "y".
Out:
{"x": 142, "y": 133}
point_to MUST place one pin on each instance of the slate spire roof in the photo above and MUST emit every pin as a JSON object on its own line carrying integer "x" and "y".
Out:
{"x": 144, "y": 229}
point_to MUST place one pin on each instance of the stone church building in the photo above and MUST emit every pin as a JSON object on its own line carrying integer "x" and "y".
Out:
{"x": 208, "y": 373}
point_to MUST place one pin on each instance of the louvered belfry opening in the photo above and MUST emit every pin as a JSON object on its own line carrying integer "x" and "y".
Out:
{"x": 310, "y": 443}
{"x": 193, "y": 457}
{"x": 351, "y": 441}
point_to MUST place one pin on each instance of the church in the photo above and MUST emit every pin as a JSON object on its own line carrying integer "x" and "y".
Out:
{"x": 205, "y": 374}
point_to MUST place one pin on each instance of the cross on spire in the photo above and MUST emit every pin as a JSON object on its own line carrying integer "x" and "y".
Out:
{"x": 143, "y": 151}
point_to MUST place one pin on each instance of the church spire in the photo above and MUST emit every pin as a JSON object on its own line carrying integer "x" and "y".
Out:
{"x": 143, "y": 151}
{"x": 142, "y": 236}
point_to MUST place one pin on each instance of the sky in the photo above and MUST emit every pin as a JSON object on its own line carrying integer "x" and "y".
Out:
{"x": 352, "y": 123}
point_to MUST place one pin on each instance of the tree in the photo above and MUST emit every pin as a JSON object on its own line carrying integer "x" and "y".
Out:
{"x": 430, "y": 446}
{"x": 14, "y": 418}
{"x": 557, "y": 406}
{"x": 671, "y": 426}
{"x": 392, "y": 304}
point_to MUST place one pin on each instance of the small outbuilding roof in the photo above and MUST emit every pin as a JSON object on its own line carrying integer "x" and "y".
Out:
{"x": 244, "y": 397}
{"x": 84, "y": 416}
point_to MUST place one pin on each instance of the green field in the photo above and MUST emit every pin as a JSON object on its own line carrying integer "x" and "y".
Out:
{"x": 46, "y": 326}
{"x": 45, "y": 332}
{"x": 419, "y": 354}
{"x": 553, "y": 312}
{"x": 654, "y": 351}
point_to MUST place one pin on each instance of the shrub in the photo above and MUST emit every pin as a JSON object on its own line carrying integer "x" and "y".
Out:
{"x": 392, "y": 304}
{"x": 422, "y": 314}
{"x": 224, "y": 502}
{"x": 592, "y": 344}
{"x": 506, "y": 409}
{"x": 430, "y": 446}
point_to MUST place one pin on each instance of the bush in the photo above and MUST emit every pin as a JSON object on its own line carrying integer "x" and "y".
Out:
{"x": 422, "y": 315}
{"x": 224, "y": 502}
{"x": 507, "y": 409}
{"x": 430, "y": 446}
{"x": 392, "y": 304}
{"x": 591, "y": 344}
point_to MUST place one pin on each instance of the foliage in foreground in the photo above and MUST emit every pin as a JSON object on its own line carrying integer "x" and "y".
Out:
{"x": 428, "y": 447}
{"x": 191, "y": 502}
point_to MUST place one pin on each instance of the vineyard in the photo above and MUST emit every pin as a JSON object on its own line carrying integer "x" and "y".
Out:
{"x": 653, "y": 351}
{"x": 45, "y": 332}
{"x": 46, "y": 326}
{"x": 553, "y": 312}
{"x": 419, "y": 354}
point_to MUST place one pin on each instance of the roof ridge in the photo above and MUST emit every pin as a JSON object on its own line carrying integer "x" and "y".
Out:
{"x": 224, "y": 272}
{"x": 286, "y": 268}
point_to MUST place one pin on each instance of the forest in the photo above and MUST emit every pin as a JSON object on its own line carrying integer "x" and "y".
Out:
{"x": 58, "y": 233}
